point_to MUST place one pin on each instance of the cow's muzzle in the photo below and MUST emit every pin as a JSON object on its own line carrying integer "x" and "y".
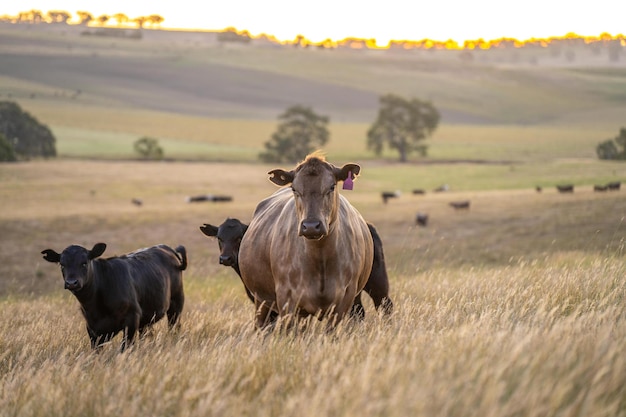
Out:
{"x": 72, "y": 285}
{"x": 227, "y": 260}
{"x": 312, "y": 229}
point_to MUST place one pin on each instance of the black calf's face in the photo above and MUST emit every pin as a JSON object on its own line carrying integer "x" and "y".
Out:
{"x": 229, "y": 235}
{"x": 74, "y": 261}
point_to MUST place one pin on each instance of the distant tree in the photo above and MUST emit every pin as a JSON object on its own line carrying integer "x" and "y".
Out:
{"x": 28, "y": 137}
{"x": 613, "y": 148}
{"x": 103, "y": 19}
{"x": 85, "y": 17}
{"x": 401, "y": 125}
{"x": 57, "y": 16}
{"x": 230, "y": 34}
{"x": 300, "y": 132}
{"x": 148, "y": 148}
{"x": 140, "y": 21}
{"x": 7, "y": 153}
{"x": 120, "y": 18}
{"x": 31, "y": 16}
{"x": 155, "y": 19}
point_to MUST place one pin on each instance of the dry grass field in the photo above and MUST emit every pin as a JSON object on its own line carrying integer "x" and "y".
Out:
{"x": 515, "y": 307}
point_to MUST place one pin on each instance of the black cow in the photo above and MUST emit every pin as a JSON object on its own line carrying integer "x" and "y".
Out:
{"x": 386, "y": 195}
{"x": 421, "y": 219}
{"x": 209, "y": 197}
{"x": 230, "y": 233}
{"x": 600, "y": 188}
{"x": 614, "y": 185}
{"x": 567, "y": 188}
{"x": 459, "y": 205}
{"x": 123, "y": 293}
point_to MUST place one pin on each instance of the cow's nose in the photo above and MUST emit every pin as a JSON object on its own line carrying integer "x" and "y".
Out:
{"x": 226, "y": 260}
{"x": 71, "y": 284}
{"x": 312, "y": 229}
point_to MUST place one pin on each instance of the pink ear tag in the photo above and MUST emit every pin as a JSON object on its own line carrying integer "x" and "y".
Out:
{"x": 347, "y": 183}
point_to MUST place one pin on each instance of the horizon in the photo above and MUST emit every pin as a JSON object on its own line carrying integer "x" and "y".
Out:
{"x": 456, "y": 20}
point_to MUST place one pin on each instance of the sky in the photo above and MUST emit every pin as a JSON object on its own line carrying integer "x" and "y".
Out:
{"x": 383, "y": 20}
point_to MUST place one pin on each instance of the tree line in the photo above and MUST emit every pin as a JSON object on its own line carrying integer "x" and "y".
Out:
{"x": 85, "y": 18}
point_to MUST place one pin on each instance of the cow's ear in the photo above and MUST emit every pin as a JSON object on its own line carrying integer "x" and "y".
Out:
{"x": 98, "y": 249}
{"x": 51, "y": 256}
{"x": 342, "y": 174}
{"x": 281, "y": 177}
{"x": 209, "y": 229}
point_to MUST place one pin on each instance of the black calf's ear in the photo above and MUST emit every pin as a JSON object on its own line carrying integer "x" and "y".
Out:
{"x": 51, "y": 256}
{"x": 209, "y": 229}
{"x": 98, "y": 249}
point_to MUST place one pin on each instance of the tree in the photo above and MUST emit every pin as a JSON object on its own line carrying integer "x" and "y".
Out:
{"x": 24, "y": 132}
{"x": 59, "y": 16}
{"x": 103, "y": 19}
{"x": 140, "y": 21}
{"x": 148, "y": 148}
{"x": 85, "y": 17}
{"x": 300, "y": 132}
{"x": 121, "y": 18}
{"x": 402, "y": 124}
{"x": 7, "y": 153}
{"x": 610, "y": 148}
{"x": 155, "y": 19}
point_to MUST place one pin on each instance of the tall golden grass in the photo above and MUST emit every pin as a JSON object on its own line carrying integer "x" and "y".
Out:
{"x": 542, "y": 338}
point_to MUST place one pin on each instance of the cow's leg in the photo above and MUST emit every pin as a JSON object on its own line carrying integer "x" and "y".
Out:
{"x": 131, "y": 324}
{"x": 265, "y": 316}
{"x": 176, "y": 307}
{"x": 377, "y": 287}
{"x": 357, "y": 311}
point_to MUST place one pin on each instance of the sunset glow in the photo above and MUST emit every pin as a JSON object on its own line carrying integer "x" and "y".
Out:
{"x": 454, "y": 24}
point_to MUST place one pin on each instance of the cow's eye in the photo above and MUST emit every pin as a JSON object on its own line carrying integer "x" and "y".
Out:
{"x": 295, "y": 193}
{"x": 83, "y": 265}
{"x": 332, "y": 188}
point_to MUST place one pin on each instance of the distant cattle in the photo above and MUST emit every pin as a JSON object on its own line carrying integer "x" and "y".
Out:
{"x": 421, "y": 219}
{"x": 538, "y": 188}
{"x": 209, "y": 197}
{"x": 460, "y": 205}
{"x": 568, "y": 188}
{"x": 307, "y": 250}
{"x": 136, "y": 201}
{"x": 418, "y": 191}
{"x": 600, "y": 188}
{"x": 442, "y": 188}
{"x": 230, "y": 233}
{"x": 123, "y": 293}
{"x": 614, "y": 186}
{"x": 386, "y": 195}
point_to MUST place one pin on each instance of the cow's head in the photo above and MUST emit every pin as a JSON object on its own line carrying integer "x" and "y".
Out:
{"x": 314, "y": 185}
{"x": 229, "y": 235}
{"x": 74, "y": 261}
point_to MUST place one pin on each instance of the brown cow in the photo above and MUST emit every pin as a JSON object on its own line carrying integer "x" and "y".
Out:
{"x": 307, "y": 250}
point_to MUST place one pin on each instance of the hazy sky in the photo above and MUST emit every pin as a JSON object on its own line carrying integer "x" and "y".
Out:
{"x": 383, "y": 20}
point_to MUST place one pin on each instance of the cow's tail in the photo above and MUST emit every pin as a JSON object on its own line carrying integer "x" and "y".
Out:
{"x": 181, "y": 254}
